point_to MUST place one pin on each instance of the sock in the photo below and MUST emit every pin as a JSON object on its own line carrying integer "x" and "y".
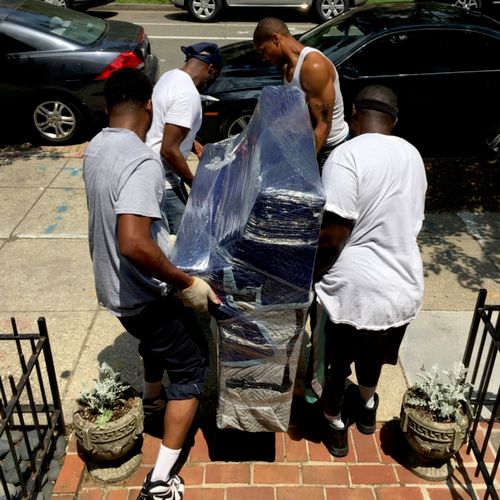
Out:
{"x": 151, "y": 390}
{"x": 368, "y": 395}
{"x": 164, "y": 462}
{"x": 336, "y": 420}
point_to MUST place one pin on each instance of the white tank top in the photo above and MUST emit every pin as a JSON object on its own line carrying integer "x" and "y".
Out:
{"x": 339, "y": 129}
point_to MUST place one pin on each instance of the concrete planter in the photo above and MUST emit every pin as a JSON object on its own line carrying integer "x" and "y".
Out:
{"x": 434, "y": 443}
{"x": 112, "y": 445}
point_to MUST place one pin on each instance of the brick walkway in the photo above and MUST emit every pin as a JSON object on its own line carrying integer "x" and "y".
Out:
{"x": 283, "y": 467}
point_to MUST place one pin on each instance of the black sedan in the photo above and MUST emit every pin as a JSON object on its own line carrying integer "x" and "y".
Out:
{"x": 442, "y": 61}
{"x": 54, "y": 64}
{"x": 489, "y": 7}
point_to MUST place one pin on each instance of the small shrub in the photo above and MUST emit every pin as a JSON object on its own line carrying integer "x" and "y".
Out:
{"x": 107, "y": 392}
{"x": 444, "y": 401}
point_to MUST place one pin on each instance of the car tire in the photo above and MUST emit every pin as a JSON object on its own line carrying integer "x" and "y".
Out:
{"x": 204, "y": 10}
{"x": 56, "y": 120}
{"x": 468, "y": 4}
{"x": 326, "y": 9}
{"x": 235, "y": 123}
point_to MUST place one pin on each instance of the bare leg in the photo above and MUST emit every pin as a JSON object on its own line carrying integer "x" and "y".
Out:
{"x": 179, "y": 416}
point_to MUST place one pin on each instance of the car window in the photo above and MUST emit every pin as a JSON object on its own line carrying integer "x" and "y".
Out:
{"x": 427, "y": 51}
{"x": 66, "y": 23}
{"x": 334, "y": 34}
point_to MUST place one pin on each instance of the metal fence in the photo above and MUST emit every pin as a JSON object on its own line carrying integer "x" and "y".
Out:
{"x": 31, "y": 418}
{"x": 480, "y": 356}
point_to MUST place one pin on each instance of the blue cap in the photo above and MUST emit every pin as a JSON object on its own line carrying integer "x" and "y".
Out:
{"x": 204, "y": 51}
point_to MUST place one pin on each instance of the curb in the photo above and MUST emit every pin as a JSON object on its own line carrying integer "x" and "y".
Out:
{"x": 137, "y": 6}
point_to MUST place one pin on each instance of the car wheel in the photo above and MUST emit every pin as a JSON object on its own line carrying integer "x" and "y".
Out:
{"x": 326, "y": 9}
{"x": 468, "y": 4}
{"x": 59, "y": 3}
{"x": 235, "y": 123}
{"x": 204, "y": 10}
{"x": 57, "y": 120}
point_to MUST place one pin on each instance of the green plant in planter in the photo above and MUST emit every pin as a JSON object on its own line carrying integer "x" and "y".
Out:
{"x": 107, "y": 392}
{"x": 443, "y": 401}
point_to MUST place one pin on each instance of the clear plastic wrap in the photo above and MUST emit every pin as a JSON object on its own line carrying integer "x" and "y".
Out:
{"x": 251, "y": 229}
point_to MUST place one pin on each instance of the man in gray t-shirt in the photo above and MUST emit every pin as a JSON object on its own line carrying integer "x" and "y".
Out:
{"x": 122, "y": 177}
{"x": 135, "y": 279}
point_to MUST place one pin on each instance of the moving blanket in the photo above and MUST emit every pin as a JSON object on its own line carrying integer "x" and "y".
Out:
{"x": 251, "y": 229}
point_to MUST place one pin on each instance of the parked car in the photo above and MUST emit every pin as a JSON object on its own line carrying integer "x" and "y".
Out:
{"x": 210, "y": 10}
{"x": 442, "y": 61}
{"x": 78, "y": 4}
{"x": 488, "y": 7}
{"x": 55, "y": 62}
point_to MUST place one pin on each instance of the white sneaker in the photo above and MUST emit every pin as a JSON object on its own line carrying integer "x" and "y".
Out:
{"x": 173, "y": 489}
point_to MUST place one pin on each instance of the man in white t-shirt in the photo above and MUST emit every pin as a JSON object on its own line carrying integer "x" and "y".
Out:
{"x": 177, "y": 117}
{"x": 369, "y": 270}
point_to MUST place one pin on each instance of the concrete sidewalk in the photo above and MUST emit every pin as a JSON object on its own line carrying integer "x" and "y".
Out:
{"x": 45, "y": 270}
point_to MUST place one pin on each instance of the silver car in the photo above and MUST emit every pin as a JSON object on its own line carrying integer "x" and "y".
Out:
{"x": 209, "y": 10}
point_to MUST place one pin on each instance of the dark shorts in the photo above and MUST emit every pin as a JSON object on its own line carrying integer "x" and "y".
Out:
{"x": 368, "y": 349}
{"x": 171, "y": 340}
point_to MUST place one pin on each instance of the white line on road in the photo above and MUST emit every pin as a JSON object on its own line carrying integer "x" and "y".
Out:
{"x": 159, "y": 37}
{"x": 232, "y": 25}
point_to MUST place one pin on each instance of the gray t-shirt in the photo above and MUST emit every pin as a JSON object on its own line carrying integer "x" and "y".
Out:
{"x": 122, "y": 176}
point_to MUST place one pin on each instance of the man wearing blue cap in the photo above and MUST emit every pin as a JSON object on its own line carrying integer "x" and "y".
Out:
{"x": 177, "y": 117}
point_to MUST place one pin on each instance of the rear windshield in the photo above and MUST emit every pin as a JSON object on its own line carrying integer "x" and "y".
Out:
{"x": 66, "y": 23}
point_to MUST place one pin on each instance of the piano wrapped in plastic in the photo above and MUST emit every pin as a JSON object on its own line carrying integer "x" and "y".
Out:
{"x": 251, "y": 229}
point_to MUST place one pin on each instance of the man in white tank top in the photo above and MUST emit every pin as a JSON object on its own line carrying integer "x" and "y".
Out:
{"x": 309, "y": 70}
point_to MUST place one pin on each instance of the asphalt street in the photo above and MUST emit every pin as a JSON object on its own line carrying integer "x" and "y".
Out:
{"x": 170, "y": 28}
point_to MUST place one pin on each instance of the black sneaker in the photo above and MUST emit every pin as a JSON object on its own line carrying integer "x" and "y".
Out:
{"x": 173, "y": 489}
{"x": 154, "y": 412}
{"x": 365, "y": 418}
{"x": 335, "y": 439}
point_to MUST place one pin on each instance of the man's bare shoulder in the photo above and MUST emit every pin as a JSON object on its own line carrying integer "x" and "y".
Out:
{"x": 317, "y": 60}
{"x": 315, "y": 66}
{"x": 316, "y": 72}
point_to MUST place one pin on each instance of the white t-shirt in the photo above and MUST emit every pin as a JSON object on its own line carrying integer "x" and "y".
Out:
{"x": 176, "y": 100}
{"x": 377, "y": 282}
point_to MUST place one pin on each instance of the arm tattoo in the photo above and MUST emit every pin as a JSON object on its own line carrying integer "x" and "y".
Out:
{"x": 325, "y": 111}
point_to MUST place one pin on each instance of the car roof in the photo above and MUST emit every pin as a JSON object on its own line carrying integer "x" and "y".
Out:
{"x": 8, "y": 6}
{"x": 387, "y": 16}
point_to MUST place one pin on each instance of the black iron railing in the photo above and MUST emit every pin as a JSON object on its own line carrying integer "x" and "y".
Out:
{"x": 480, "y": 356}
{"x": 31, "y": 418}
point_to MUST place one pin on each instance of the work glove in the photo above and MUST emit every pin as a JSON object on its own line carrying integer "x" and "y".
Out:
{"x": 198, "y": 294}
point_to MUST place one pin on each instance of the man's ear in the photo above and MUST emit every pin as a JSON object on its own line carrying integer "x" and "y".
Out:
{"x": 275, "y": 38}
{"x": 149, "y": 106}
